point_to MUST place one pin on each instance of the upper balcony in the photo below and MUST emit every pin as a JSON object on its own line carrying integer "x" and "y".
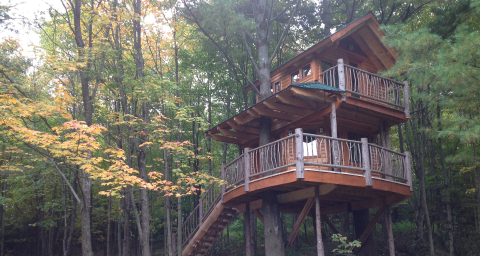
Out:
{"x": 368, "y": 86}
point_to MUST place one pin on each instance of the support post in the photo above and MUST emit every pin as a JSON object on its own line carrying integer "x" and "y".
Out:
{"x": 408, "y": 169}
{"x": 388, "y": 223}
{"x": 366, "y": 163}
{"x": 318, "y": 224}
{"x": 406, "y": 100}
{"x": 246, "y": 214}
{"x": 341, "y": 74}
{"x": 246, "y": 154}
{"x": 224, "y": 178}
{"x": 299, "y": 153}
{"x": 200, "y": 211}
{"x": 335, "y": 147}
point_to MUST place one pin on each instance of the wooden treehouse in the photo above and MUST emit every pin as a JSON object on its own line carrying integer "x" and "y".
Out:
{"x": 330, "y": 151}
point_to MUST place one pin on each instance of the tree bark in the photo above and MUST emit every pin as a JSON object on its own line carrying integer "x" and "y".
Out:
{"x": 274, "y": 245}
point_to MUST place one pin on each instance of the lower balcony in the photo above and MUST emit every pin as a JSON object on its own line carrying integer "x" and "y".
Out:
{"x": 302, "y": 151}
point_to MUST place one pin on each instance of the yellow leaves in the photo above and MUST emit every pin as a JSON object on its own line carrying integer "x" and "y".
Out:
{"x": 470, "y": 191}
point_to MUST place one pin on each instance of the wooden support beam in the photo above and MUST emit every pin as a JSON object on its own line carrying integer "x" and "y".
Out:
{"x": 246, "y": 215}
{"x": 273, "y": 114}
{"x": 318, "y": 224}
{"x": 369, "y": 52}
{"x": 225, "y": 139}
{"x": 330, "y": 225}
{"x": 242, "y": 128}
{"x": 258, "y": 214}
{"x": 370, "y": 227}
{"x": 388, "y": 223}
{"x": 243, "y": 118}
{"x": 300, "y": 220}
{"x": 238, "y": 135}
{"x": 312, "y": 95}
{"x": 287, "y": 109}
{"x": 305, "y": 193}
{"x": 294, "y": 102}
{"x": 253, "y": 113}
{"x": 377, "y": 47}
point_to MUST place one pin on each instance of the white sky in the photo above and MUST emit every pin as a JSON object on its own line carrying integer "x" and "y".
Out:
{"x": 26, "y": 11}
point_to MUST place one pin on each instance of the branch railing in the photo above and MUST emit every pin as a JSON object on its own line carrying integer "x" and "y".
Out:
{"x": 390, "y": 164}
{"x": 298, "y": 150}
{"x": 367, "y": 85}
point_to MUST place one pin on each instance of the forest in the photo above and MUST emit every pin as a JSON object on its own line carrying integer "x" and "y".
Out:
{"x": 102, "y": 130}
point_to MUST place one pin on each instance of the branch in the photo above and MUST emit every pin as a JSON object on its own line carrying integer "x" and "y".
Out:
{"x": 250, "y": 54}
{"x": 287, "y": 27}
{"x": 65, "y": 179}
{"x": 219, "y": 47}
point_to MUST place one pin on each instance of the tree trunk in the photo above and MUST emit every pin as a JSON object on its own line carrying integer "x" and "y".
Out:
{"x": 274, "y": 245}
{"x": 446, "y": 184}
{"x": 361, "y": 220}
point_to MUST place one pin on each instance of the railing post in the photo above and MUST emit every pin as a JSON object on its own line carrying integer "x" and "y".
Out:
{"x": 247, "y": 168}
{"x": 334, "y": 144}
{"x": 341, "y": 74}
{"x": 200, "y": 211}
{"x": 408, "y": 169}
{"x": 224, "y": 179}
{"x": 406, "y": 100}
{"x": 366, "y": 163}
{"x": 299, "y": 153}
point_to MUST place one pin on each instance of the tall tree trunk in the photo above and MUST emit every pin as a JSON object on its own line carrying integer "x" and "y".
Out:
{"x": 2, "y": 212}
{"x": 446, "y": 184}
{"x": 126, "y": 221}
{"x": 142, "y": 150}
{"x": 274, "y": 245}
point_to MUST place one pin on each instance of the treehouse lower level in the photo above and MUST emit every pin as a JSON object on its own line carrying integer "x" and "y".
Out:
{"x": 344, "y": 175}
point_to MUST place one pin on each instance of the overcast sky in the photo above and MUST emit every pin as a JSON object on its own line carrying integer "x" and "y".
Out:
{"x": 27, "y": 10}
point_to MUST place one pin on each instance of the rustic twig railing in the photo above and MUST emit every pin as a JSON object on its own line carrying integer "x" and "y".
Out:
{"x": 388, "y": 163}
{"x": 300, "y": 150}
{"x": 367, "y": 85}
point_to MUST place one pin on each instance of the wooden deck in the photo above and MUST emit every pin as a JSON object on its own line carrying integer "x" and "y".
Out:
{"x": 350, "y": 175}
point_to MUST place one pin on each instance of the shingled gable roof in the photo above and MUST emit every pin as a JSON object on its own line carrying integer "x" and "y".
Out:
{"x": 340, "y": 34}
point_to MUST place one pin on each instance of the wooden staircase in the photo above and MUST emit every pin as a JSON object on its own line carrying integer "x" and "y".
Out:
{"x": 211, "y": 234}
{"x": 206, "y": 222}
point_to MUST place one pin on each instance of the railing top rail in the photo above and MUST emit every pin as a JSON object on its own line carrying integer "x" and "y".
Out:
{"x": 234, "y": 160}
{"x": 386, "y": 149}
{"x": 373, "y": 74}
{"x": 273, "y": 142}
{"x": 330, "y": 68}
{"x": 190, "y": 216}
{"x": 326, "y": 137}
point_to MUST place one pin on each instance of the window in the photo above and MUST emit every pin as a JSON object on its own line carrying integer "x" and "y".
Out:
{"x": 306, "y": 71}
{"x": 277, "y": 87}
{"x": 295, "y": 77}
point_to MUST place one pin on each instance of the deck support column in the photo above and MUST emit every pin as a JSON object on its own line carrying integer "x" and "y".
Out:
{"x": 318, "y": 224}
{"x": 335, "y": 147}
{"x": 366, "y": 163}
{"x": 246, "y": 215}
{"x": 299, "y": 153}
{"x": 341, "y": 74}
{"x": 246, "y": 156}
{"x": 388, "y": 224}
{"x": 224, "y": 178}
{"x": 406, "y": 99}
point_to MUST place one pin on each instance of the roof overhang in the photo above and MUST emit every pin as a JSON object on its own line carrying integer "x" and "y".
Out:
{"x": 295, "y": 104}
